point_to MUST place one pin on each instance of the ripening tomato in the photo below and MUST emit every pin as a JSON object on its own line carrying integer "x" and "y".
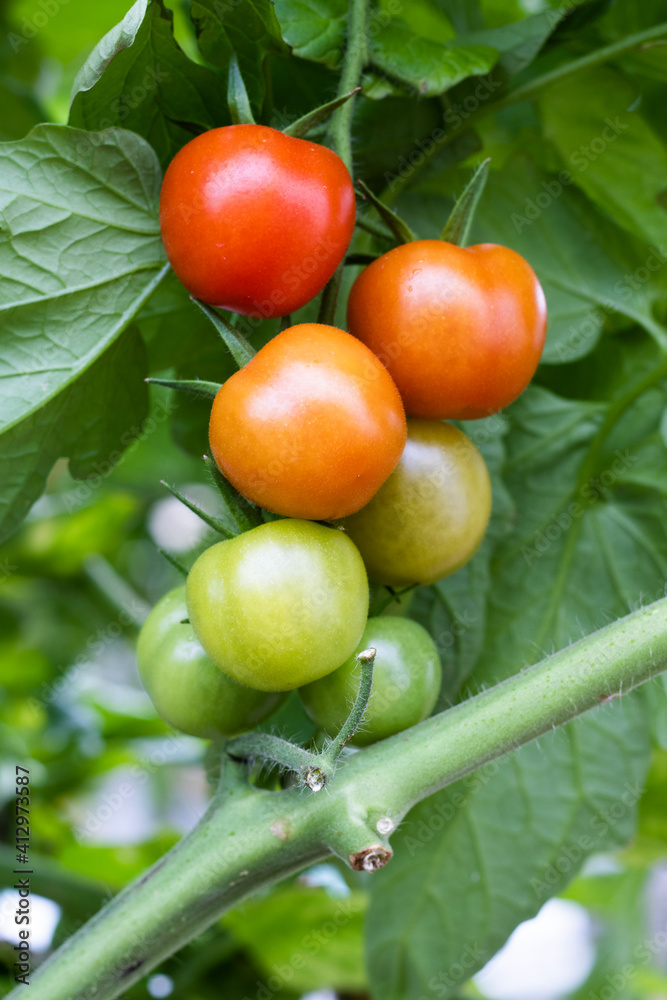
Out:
{"x": 189, "y": 692}
{"x": 430, "y": 516}
{"x": 460, "y": 330}
{"x": 311, "y": 427}
{"x": 255, "y": 221}
{"x": 406, "y": 682}
{"x": 279, "y": 605}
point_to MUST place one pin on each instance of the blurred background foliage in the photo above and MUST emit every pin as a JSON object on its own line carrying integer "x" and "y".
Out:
{"x": 79, "y": 576}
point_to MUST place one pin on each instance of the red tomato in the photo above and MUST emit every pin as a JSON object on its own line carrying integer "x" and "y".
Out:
{"x": 255, "y": 221}
{"x": 461, "y": 330}
{"x": 311, "y": 427}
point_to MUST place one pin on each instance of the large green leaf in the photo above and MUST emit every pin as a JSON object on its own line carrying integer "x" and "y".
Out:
{"x": 138, "y": 77}
{"x": 428, "y": 67}
{"x": 80, "y": 252}
{"x": 305, "y": 937}
{"x": 314, "y": 29}
{"x": 586, "y": 546}
{"x": 478, "y": 858}
{"x": 246, "y": 27}
{"x": 612, "y": 153}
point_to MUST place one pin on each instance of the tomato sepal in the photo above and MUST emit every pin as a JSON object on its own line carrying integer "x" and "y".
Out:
{"x": 461, "y": 217}
{"x": 238, "y": 101}
{"x": 400, "y": 229}
{"x": 240, "y": 349}
{"x": 314, "y": 770}
{"x": 302, "y": 126}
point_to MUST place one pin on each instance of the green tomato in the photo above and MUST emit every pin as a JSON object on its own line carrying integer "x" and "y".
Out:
{"x": 406, "y": 682}
{"x": 429, "y": 518}
{"x": 280, "y": 605}
{"x": 189, "y": 692}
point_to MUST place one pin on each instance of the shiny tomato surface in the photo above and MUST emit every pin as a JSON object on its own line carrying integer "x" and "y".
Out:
{"x": 311, "y": 427}
{"x": 461, "y": 330}
{"x": 255, "y": 221}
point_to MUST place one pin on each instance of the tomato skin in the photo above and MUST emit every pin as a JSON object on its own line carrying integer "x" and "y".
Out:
{"x": 280, "y": 605}
{"x": 461, "y": 330}
{"x": 406, "y": 682}
{"x": 189, "y": 692}
{"x": 430, "y": 516}
{"x": 311, "y": 427}
{"x": 255, "y": 221}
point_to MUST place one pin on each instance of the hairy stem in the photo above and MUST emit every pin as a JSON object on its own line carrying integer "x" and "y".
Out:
{"x": 340, "y": 131}
{"x": 250, "y": 838}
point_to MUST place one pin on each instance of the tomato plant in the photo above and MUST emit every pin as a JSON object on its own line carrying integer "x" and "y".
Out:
{"x": 406, "y": 682}
{"x": 311, "y": 426}
{"x": 460, "y": 329}
{"x": 430, "y": 516}
{"x": 254, "y": 220}
{"x": 279, "y": 605}
{"x": 188, "y": 690}
{"x": 495, "y": 149}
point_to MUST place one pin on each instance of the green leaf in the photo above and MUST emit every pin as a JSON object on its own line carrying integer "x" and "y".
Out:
{"x": 465, "y": 15}
{"x": 585, "y": 547}
{"x": 475, "y": 860}
{"x": 247, "y": 28}
{"x": 139, "y": 78}
{"x": 314, "y": 29}
{"x": 612, "y": 153}
{"x": 428, "y": 67}
{"x": 80, "y": 253}
{"x": 292, "y": 924}
{"x": 237, "y": 95}
{"x": 520, "y": 42}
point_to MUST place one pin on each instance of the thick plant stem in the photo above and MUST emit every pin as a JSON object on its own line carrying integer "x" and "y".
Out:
{"x": 250, "y": 838}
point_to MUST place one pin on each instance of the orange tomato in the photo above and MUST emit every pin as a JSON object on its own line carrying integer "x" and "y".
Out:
{"x": 311, "y": 427}
{"x": 460, "y": 330}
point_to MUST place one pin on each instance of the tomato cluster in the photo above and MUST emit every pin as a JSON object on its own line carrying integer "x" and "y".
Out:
{"x": 314, "y": 429}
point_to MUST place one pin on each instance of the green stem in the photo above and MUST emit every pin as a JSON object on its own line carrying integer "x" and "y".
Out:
{"x": 250, "y": 838}
{"x": 356, "y": 55}
{"x": 340, "y": 131}
{"x": 528, "y": 90}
